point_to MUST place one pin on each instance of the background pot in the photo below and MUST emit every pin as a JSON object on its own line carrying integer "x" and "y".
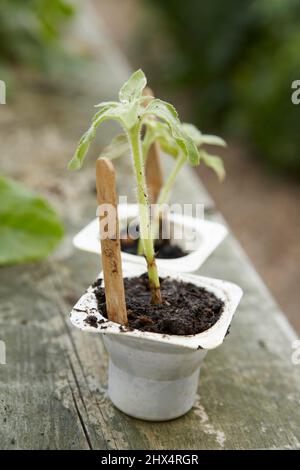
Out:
{"x": 154, "y": 376}
{"x": 204, "y": 236}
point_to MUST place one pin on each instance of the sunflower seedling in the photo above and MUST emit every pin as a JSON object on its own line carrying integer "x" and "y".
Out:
{"x": 131, "y": 113}
{"x": 158, "y": 132}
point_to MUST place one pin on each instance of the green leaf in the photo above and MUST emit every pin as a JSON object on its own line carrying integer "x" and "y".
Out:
{"x": 29, "y": 229}
{"x": 76, "y": 162}
{"x": 193, "y": 132}
{"x": 106, "y": 112}
{"x": 133, "y": 88}
{"x": 215, "y": 163}
{"x": 213, "y": 140}
{"x": 129, "y": 113}
{"x": 192, "y": 151}
{"x": 164, "y": 111}
{"x": 169, "y": 147}
{"x": 167, "y": 113}
{"x": 106, "y": 104}
{"x": 158, "y": 131}
{"x": 200, "y": 138}
{"x": 117, "y": 147}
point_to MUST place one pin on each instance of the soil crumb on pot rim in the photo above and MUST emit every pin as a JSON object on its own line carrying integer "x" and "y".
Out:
{"x": 186, "y": 309}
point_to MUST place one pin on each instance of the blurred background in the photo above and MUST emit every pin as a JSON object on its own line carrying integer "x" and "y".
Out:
{"x": 227, "y": 66}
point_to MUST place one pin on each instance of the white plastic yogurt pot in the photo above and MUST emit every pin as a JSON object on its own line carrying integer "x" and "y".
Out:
{"x": 153, "y": 376}
{"x": 201, "y": 238}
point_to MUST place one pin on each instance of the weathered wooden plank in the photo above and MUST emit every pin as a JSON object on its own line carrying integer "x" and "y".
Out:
{"x": 37, "y": 406}
{"x": 56, "y": 377}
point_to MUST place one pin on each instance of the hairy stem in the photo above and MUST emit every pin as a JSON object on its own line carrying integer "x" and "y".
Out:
{"x": 163, "y": 199}
{"x": 144, "y": 213}
{"x": 165, "y": 194}
{"x": 168, "y": 186}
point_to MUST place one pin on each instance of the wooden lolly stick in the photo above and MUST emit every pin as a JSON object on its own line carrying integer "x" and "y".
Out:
{"x": 153, "y": 171}
{"x": 110, "y": 242}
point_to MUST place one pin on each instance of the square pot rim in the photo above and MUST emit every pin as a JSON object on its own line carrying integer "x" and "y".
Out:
{"x": 229, "y": 292}
{"x": 213, "y": 234}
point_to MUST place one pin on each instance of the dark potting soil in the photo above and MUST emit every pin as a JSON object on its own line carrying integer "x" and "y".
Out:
{"x": 163, "y": 248}
{"x": 186, "y": 308}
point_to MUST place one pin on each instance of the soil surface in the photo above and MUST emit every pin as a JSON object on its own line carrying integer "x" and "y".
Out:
{"x": 186, "y": 309}
{"x": 163, "y": 249}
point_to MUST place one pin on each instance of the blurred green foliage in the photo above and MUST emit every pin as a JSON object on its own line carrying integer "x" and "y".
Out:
{"x": 239, "y": 59}
{"x": 30, "y": 31}
{"x": 30, "y": 228}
